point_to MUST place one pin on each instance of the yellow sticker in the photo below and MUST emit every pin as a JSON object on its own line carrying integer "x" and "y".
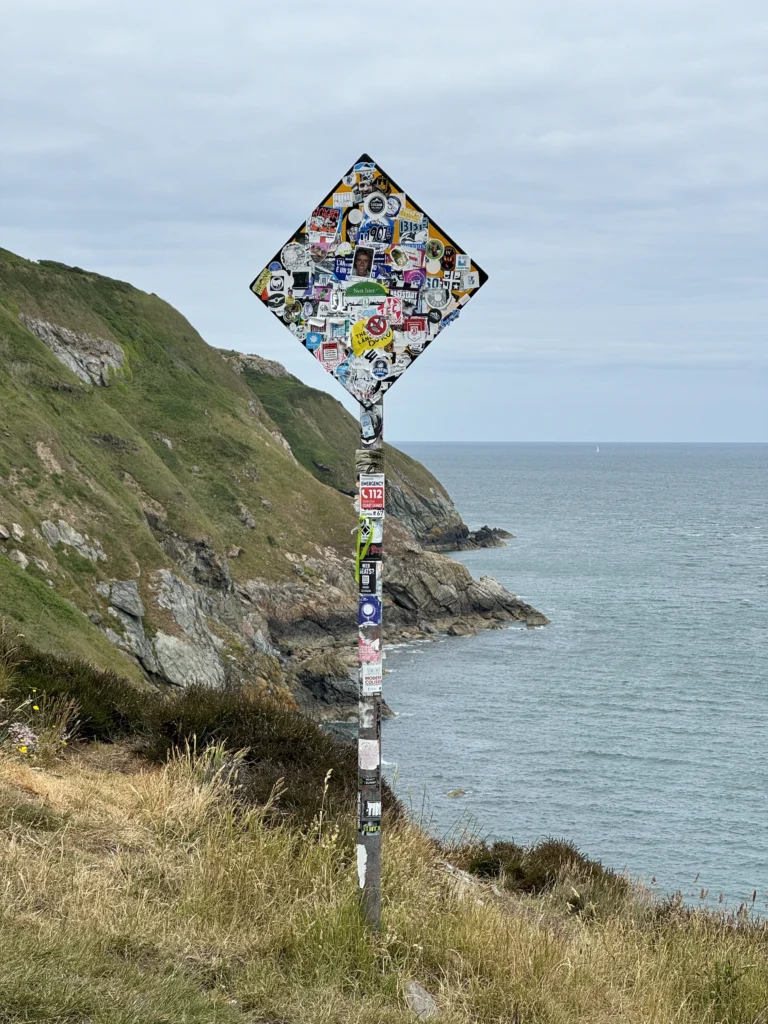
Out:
{"x": 363, "y": 341}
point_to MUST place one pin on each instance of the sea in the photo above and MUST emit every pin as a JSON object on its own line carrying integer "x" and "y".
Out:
{"x": 636, "y": 723}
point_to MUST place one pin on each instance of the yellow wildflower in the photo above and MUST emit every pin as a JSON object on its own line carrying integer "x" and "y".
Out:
{"x": 22, "y": 750}
{"x": 35, "y": 707}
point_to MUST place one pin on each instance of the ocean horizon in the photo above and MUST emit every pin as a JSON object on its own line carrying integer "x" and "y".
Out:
{"x": 635, "y": 723}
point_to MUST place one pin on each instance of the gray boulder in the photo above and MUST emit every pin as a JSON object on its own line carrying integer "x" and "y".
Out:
{"x": 188, "y": 664}
{"x": 125, "y": 596}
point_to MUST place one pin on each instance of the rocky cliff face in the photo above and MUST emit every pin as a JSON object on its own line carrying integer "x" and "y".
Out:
{"x": 190, "y": 517}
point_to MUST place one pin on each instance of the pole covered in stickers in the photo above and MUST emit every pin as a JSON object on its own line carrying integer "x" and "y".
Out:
{"x": 369, "y": 565}
{"x": 366, "y": 284}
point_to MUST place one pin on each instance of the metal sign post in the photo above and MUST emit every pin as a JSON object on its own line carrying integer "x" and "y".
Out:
{"x": 366, "y": 284}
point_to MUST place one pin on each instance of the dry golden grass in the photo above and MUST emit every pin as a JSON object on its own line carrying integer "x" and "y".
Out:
{"x": 140, "y": 896}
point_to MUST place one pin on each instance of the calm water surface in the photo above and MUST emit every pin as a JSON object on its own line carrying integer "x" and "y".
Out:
{"x": 637, "y": 723}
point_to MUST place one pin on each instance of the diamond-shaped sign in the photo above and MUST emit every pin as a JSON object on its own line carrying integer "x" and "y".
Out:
{"x": 368, "y": 282}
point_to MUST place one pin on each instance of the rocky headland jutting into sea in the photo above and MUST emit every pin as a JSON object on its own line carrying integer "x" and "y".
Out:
{"x": 182, "y": 514}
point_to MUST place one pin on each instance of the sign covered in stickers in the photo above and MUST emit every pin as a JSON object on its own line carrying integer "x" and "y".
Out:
{"x": 368, "y": 282}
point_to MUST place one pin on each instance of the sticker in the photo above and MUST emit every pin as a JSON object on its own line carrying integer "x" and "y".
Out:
{"x": 437, "y": 298}
{"x": 276, "y": 302}
{"x": 338, "y": 328}
{"x": 394, "y": 205}
{"x": 294, "y": 256}
{"x": 392, "y": 309}
{"x": 463, "y": 262}
{"x": 343, "y": 199}
{"x": 325, "y": 220}
{"x": 274, "y": 266}
{"x": 363, "y": 341}
{"x": 372, "y": 808}
{"x": 415, "y": 330}
{"x": 342, "y": 371}
{"x": 364, "y": 289}
{"x": 368, "y": 754}
{"x": 372, "y": 494}
{"x": 434, "y": 249}
{"x": 371, "y": 678}
{"x": 369, "y": 611}
{"x": 370, "y": 574}
{"x": 355, "y": 216}
{"x": 362, "y": 263}
{"x": 369, "y": 650}
{"x": 453, "y": 315}
{"x": 380, "y": 368}
{"x": 433, "y": 266}
{"x": 471, "y": 280}
{"x": 367, "y": 719}
{"x": 434, "y": 316}
{"x": 278, "y": 282}
{"x": 331, "y": 353}
{"x": 448, "y": 259}
{"x": 375, "y": 205}
{"x": 370, "y": 426}
{"x": 377, "y": 326}
{"x": 361, "y": 383}
{"x": 415, "y": 278}
{"x": 302, "y": 280}
{"x": 261, "y": 282}
{"x": 376, "y": 233}
{"x": 313, "y": 340}
{"x": 318, "y": 251}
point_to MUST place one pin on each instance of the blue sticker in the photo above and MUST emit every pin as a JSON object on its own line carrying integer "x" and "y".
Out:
{"x": 369, "y": 611}
{"x": 453, "y": 315}
{"x": 342, "y": 267}
{"x": 275, "y": 265}
{"x": 341, "y": 372}
{"x": 314, "y": 340}
{"x": 380, "y": 368}
{"x": 378, "y": 233}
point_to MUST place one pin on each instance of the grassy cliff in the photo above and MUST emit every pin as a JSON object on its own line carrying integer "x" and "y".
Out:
{"x": 175, "y": 436}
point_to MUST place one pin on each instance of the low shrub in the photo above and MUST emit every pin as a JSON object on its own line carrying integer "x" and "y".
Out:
{"x": 108, "y": 706}
{"x": 282, "y": 746}
{"x": 541, "y": 867}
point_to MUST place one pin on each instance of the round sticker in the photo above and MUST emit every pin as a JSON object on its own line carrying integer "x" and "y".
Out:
{"x": 434, "y": 249}
{"x": 293, "y": 255}
{"x": 393, "y": 206}
{"x": 433, "y": 267}
{"x": 355, "y": 216}
{"x": 377, "y": 326}
{"x": 375, "y": 205}
{"x": 350, "y": 179}
{"x": 437, "y": 298}
{"x": 274, "y": 266}
{"x": 380, "y": 368}
{"x": 434, "y": 316}
{"x": 276, "y": 301}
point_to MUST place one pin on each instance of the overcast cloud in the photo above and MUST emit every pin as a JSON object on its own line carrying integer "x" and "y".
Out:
{"x": 606, "y": 161}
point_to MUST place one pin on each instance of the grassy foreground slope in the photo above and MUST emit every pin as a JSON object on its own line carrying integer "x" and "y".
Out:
{"x": 151, "y": 895}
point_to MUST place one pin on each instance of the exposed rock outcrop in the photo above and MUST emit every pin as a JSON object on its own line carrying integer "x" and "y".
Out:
{"x": 64, "y": 533}
{"x": 91, "y": 359}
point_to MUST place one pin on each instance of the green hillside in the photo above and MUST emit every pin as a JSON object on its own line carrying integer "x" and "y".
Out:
{"x": 163, "y": 448}
{"x": 324, "y": 436}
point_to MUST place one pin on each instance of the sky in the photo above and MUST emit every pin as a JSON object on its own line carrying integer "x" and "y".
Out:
{"x": 605, "y": 161}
